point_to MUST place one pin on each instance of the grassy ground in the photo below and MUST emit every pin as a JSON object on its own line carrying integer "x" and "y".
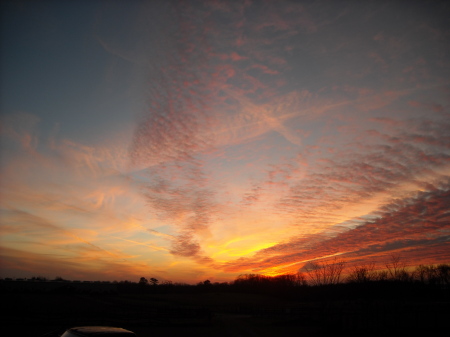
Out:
{"x": 226, "y": 315}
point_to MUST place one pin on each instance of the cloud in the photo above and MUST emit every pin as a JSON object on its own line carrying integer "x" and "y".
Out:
{"x": 185, "y": 203}
{"x": 253, "y": 196}
{"x": 201, "y": 103}
{"x": 191, "y": 112}
{"x": 193, "y": 107}
{"x": 418, "y": 223}
{"x": 22, "y": 263}
{"x": 185, "y": 246}
{"x": 20, "y": 128}
{"x": 336, "y": 195}
{"x": 61, "y": 197}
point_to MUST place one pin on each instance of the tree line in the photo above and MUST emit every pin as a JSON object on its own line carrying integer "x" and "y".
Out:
{"x": 331, "y": 278}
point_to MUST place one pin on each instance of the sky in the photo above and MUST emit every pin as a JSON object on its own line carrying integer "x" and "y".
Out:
{"x": 194, "y": 140}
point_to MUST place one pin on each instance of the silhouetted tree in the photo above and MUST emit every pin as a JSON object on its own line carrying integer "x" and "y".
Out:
{"x": 425, "y": 274}
{"x": 381, "y": 275}
{"x": 431, "y": 274}
{"x": 289, "y": 280}
{"x": 397, "y": 269}
{"x": 321, "y": 273}
{"x": 444, "y": 274}
{"x": 363, "y": 273}
{"x": 143, "y": 281}
{"x": 154, "y": 281}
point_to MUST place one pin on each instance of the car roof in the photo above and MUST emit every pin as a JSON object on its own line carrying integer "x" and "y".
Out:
{"x": 100, "y": 331}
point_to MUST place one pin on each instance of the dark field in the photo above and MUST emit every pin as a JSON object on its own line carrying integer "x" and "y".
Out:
{"x": 220, "y": 314}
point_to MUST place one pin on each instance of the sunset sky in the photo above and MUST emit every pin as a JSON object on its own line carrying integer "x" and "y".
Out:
{"x": 194, "y": 140}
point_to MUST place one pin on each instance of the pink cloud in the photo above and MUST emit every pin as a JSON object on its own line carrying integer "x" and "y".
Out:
{"x": 265, "y": 69}
{"x": 337, "y": 183}
{"x": 428, "y": 106}
{"x": 407, "y": 226}
{"x": 236, "y": 57}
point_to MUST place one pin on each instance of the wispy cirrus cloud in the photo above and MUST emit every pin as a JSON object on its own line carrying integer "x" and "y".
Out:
{"x": 403, "y": 226}
{"x": 24, "y": 263}
{"x": 184, "y": 122}
{"x": 180, "y": 196}
{"x": 235, "y": 92}
{"x": 60, "y": 198}
{"x": 328, "y": 197}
